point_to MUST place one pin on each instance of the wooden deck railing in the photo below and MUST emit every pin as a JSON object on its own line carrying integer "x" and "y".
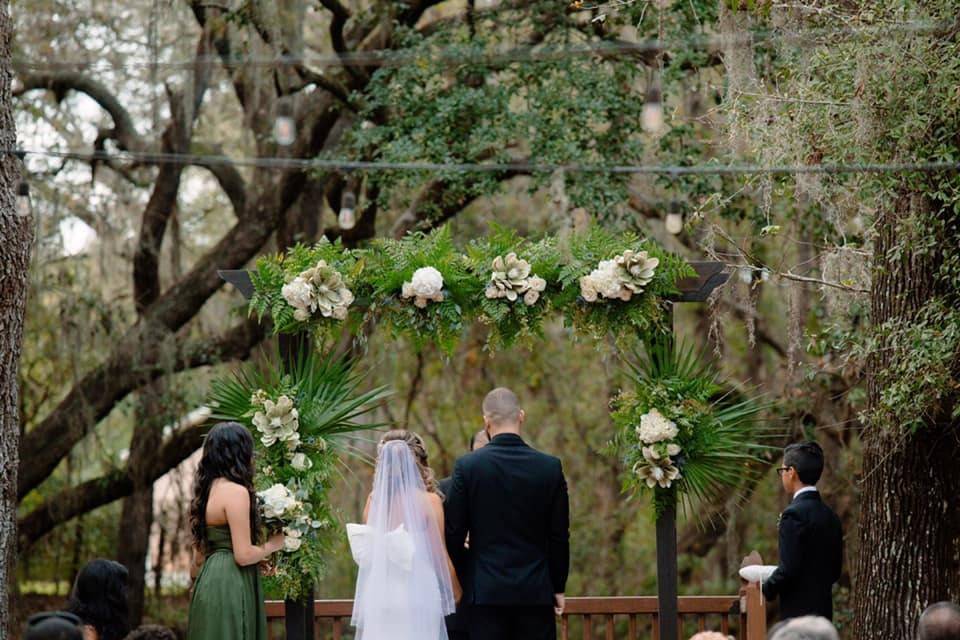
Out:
{"x": 633, "y": 618}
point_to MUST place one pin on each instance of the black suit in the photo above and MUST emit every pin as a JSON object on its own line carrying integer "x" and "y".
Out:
{"x": 512, "y": 500}
{"x": 457, "y": 623}
{"x": 811, "y": 557}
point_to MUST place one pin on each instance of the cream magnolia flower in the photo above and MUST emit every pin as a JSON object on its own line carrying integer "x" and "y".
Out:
{"x": 278, "y": 501}
{"x": 652, "y": 455}
{"x": 655, "y": 427}
{"x": 637, "y": 268}
{"x": 319, "y": 288}
{"x": 301, "y": 462}
{"x": 657, "y": 474}
{"x": 619, "y": 278}
{"x": 292, "y": 539}
{"x": 425, "y": 286}
{"x": 278, "y": 422}
{"x": 511, "y": 279}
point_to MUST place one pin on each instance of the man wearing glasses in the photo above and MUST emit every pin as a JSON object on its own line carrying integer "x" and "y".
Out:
{"x": 811, "y": 541}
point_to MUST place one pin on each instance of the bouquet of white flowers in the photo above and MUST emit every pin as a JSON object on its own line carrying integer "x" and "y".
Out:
{"x": 283, "y": 511}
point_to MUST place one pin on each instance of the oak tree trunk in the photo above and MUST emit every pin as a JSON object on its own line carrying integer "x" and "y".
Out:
{"x": 908, "y": 529}
{"x": 16, "y": 238}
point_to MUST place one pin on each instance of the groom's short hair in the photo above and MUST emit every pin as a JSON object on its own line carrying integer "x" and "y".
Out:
{"x": 501, "y": 406}
{"x": 807, "y": 459}
{"x": 940, "y": 621}
{"x": 806, "y": 628}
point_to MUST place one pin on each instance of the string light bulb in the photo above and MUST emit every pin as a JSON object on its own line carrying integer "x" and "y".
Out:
{"x": 284, "y": 126}
{"x": 347, "y": 219}
{"x": 674, "y": 223}
{"x": 23, "y": 199}
{"x": 652, "y": 117}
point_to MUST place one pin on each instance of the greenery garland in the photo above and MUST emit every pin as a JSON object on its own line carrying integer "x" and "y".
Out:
{"x": 301, "y": 421}
{"x": 425, "y": 287}
{"x": 681, "y": 437}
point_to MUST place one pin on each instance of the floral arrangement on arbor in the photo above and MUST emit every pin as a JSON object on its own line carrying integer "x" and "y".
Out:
{"x": 681, "y": 436}
{"x": 301, "y": 419}
{"x": 424, "y": 286}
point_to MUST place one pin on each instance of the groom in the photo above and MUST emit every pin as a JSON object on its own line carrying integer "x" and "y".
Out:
{"x": 512, "y": 501}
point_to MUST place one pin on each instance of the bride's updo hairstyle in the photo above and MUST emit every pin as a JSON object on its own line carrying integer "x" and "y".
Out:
{"x": 419, "y": 450}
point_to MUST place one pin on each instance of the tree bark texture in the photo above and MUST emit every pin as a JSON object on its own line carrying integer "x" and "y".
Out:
{"x": 909, "y": 527}
{"x": 16, "y": 238}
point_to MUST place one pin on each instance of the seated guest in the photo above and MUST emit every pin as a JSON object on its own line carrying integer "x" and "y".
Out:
{"x": 99, "y": 599}
{"x": 940, "y": 621}
{"x": 56, "y": 625}
{"x": 811, "y": 540}
{"x": 710, "y": 635}
{"x": 151, "y": 632}
{"x": 806, "y": 628}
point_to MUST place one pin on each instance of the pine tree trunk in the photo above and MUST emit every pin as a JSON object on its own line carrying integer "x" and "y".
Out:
{"x": 16, "y": 233}
{"x": 908, "y": 529}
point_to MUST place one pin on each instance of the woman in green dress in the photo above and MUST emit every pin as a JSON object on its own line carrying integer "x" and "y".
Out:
{"x": 227, "y": 602}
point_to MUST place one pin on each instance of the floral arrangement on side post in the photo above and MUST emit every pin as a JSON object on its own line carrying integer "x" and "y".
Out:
{"x": 299, "y": 419}
{"x": 680, "y": 435}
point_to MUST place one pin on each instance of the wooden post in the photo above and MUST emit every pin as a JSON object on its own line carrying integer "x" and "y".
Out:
{"x": 754, "y": 612}
{"x": 298, "y": 617}
{"x": 667, "y": 603}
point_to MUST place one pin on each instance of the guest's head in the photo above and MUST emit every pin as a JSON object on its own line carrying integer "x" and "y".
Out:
{"x": 419, "y": 450}
{"x": 151, "y": 632}
{"x": 227, "y": 454}
{"x": 802, "y": 466}
{"x": 940, "y": 621}
{"x": 479, "y": 440}
{"x": 806, "y": 628}
{"x": 710, "y": 635}
{"x": 502, "y": 412}
{"x": 55, "y": 625}
{"x": 99, "y": 599}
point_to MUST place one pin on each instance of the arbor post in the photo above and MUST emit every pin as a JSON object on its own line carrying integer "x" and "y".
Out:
{"x": 668, "y": 610}
{"x": 298, "y": 614}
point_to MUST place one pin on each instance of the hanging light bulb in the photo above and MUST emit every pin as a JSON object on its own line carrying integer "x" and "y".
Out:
{"x": 652, "y": 116}
{"x": 23, "y": 199}
{"x": 674, "y": 223}
{"x": 347, "y": 218}
{"x": 284, "y": 126}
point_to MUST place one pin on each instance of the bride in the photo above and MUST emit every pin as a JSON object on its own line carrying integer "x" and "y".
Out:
{"x": 406, "y": 583}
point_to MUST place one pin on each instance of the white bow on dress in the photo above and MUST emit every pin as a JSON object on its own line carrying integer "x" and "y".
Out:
{"x": 399, "y": 545}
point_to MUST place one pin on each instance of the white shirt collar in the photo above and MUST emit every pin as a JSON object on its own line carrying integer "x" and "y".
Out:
{"x": 804, "y": 490}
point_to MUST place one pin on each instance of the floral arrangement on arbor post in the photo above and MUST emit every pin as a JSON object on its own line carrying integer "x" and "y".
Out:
{"x": 301, "y": 420}
{"x": 681, "y": 436}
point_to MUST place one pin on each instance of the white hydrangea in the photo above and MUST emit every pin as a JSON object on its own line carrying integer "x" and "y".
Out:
{"x": 655, "y": 427}
{"x": 620, "y": 278}
{"x": 278, "y": 502}
{"x": 425, "y": 286}
{"x": 278, "y": 422}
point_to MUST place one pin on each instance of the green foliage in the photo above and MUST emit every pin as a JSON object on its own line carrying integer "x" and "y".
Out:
{"x": 393, "y": 262}
{"x": 718, "y": 432}
{"x": 326, "y": 391}
{"x": 643, "y": 313}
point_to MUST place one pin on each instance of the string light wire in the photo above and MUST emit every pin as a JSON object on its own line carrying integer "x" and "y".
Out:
{"x": 305, "y": 164}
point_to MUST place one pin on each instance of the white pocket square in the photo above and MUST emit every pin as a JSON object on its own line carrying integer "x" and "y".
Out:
{"x": 757, "y": 572}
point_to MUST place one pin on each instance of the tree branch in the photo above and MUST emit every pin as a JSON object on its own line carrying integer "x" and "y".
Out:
{"x": 74, "y": 501}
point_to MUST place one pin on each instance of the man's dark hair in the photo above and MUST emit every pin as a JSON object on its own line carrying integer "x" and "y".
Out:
{"x": 940, "y": 621}
{"x": 807, "y": 459}
{"x": 54, "y": 625}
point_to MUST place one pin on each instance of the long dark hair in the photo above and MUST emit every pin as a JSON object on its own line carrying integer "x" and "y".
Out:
{"x": 100, "y": 599}
{"x": 227, "y": 454}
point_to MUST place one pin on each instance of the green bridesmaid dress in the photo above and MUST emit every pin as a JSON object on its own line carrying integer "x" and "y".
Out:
{"x": 227, "y": 601}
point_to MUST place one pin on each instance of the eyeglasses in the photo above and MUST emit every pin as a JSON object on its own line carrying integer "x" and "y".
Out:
{"x": 782, "y": 470}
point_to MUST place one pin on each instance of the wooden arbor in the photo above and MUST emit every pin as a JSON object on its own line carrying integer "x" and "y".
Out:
{"x": 299, "y": 616}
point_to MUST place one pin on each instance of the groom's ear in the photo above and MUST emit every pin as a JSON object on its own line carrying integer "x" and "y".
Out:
{"x": 523, "y": 416}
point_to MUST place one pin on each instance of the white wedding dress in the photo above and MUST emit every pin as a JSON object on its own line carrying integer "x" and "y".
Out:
{"x": 403, "y": 583}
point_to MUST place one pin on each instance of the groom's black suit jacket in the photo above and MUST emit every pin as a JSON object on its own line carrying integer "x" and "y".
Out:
{"x": 512, "y": 500}
{"x": 811, "y": 558}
